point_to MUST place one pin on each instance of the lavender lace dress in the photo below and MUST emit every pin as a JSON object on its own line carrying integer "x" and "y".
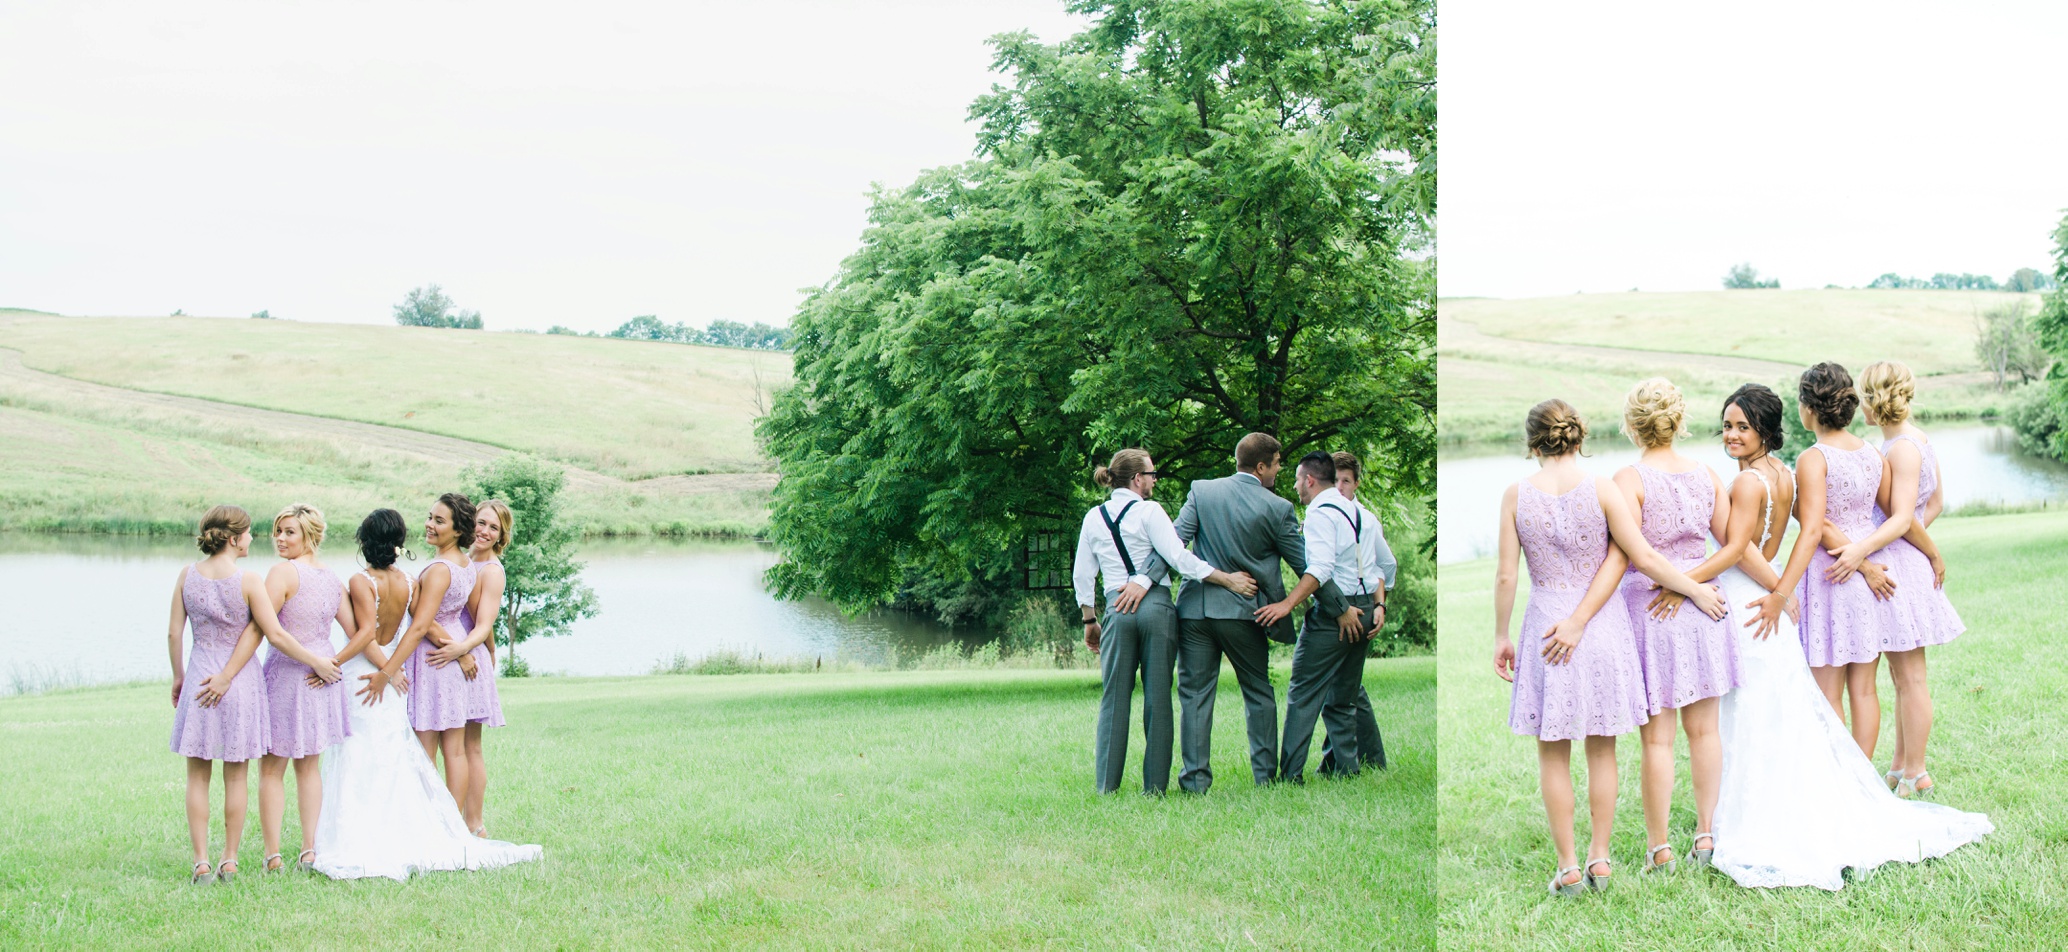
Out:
{"x": 305, "y": 720}
{"x": 1599, "y": 692}
{"x": 1689, "y": 656}
{"x": 1844, "y": 624}
{"x": 236, "y": 728}
{"x": 484, "y": 705}
{"x": 1920, "y": 615}
{"x": 438, "y": 695}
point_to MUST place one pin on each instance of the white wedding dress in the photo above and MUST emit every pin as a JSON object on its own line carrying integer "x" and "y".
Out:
{"x": 386, "y": 811}
{"x": 1799, "y": 803}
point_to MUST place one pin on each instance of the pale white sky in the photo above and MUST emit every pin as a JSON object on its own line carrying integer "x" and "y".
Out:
{"x": 546, "y": 163}
{"x": 1601, "y": 146}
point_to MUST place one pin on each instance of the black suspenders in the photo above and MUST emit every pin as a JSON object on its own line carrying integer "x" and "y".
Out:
{"x": 1113, "y": 526}
{"x": 1356, "y": 532}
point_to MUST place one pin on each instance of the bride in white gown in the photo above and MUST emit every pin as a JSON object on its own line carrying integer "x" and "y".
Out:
{"x": 386, "y": 812}
{"x": 1799, "y": 803}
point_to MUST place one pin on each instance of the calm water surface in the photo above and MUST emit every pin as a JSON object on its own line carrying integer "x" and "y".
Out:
{"x": 1979, "y": 464}
{"x": 88, "y": 610}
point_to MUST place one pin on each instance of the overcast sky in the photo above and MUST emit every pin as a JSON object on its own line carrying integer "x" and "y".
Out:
{"x": 567, "y": 163}
{"x": 1601, "y": 146}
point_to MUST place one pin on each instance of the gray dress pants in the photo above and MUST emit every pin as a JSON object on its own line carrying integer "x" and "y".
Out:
{"x": 1145, "y": 642}
{"x": 1202, "y": 642}
{"x": 1371, "y": 748}
{"x": 1326, "y": 674}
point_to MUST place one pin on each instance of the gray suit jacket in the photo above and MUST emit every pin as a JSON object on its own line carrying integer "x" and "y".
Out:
{"x": 1237, "y": 525}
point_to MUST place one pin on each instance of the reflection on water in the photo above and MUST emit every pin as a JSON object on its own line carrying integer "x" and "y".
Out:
{"x": 1978, "y": 464}
{"x": 90, "y": 609}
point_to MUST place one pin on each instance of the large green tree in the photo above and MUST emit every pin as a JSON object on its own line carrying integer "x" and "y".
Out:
{"x": 1195, "y": 219}
{"x": 2042, "y": 424}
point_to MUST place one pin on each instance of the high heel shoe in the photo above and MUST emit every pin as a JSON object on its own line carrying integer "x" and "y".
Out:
{"x": 204, "y": 874}
{"x": 1599, "y": 883}
{"x": 1651, "y": 860}
{"x": 225, "y": 871}
{"x": 1907, "y": 787}
{"x": 1892, "y": 778}
{"x": 1701, "y": 857}
{"x": 267, "y": 866}
{"x": 306, "y": 862}
{"x": 1559, "y": 887}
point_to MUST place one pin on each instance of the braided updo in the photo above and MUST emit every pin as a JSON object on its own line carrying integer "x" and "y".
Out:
{"x": 220, "y": 527}
{"x": 1886, "y": 388}
{"x": 1826, "y": 391}
{"x": 1654, "y": 414}
{"x": 1554, "y": 429}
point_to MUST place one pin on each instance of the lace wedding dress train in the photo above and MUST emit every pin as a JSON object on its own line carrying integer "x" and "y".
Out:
{"x": 1799, "y": 803}
{"x": 386, "y": 811}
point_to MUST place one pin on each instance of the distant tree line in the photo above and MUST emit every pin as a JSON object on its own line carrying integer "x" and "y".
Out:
{"x": 2021, "y": 280}
{"x": 428, "y": 306}
{"x": 755, "y": 336}
{"x": 1746, "y": 277}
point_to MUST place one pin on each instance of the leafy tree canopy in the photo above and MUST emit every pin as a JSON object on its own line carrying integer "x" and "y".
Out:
{"x": 428, "y": 306}
{"x": 543, "y": 594}
{"x": 1195, "y": 219}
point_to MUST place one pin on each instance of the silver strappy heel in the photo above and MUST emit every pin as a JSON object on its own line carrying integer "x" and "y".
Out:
{"x": 1559, "y": 887}
{"x": 225, "y": 871}
{"x": 1651, "y": 859}
{"x": 202, "y": 878}
{"x": 1907, "y": 787}
{"x": 1600, "y": 883}
{"x": 306, "y": 862}
{"x": 1701, "y": 858}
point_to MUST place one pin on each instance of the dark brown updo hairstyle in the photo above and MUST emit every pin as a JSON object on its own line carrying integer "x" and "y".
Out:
{"x": 1122, "y": 470}
{"x": 1826, "y": 391}
{"x": 381, "y": 537}
{"x": 1554, "y": 429}
{"x": 462, "y": 510}
{"x": 1762, "y": 408}
{"x": 220, "y": 527}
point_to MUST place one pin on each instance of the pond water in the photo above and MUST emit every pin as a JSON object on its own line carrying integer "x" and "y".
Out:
{"x": 1979, "y": 464}
{"x": 89, "y": 610}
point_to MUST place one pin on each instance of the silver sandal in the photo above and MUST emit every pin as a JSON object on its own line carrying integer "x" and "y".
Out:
{"x": 1600, "y": 883}
{"x": 1702, "y": 858}
{"x": 1559, "y": 887}
{"x": 203, "y": 878}
{"x": 1892, "y": 778}
{"x": 1907, "y": 787}
{"x": 266, "y": 866}
{"x": 1651, "y": 863}
{"x": 306, "y": 862}
{"x": 225, "y": 871}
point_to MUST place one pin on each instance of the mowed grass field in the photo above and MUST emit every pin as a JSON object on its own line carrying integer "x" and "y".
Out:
{"x": 632, "y": 413}
{"x": 1500, "y": 357}
{"x": 883, "y": 810}
{"x": 1996, "y": 747}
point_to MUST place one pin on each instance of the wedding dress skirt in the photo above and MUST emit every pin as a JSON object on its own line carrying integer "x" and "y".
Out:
{"x": 386, "y": 811}
{"x": 1799, "y": 803}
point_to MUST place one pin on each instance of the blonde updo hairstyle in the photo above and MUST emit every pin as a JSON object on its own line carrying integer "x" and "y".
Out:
{"x": 309, "y": 518}
{"x": 1554, "y": 429}
{"x": 1122, "y": 469}
{"x": 1885, "y": 389}
{"x": 220, "y": 527}
{"x": 1654, "y": 414}
{"x": 503, "y": 518}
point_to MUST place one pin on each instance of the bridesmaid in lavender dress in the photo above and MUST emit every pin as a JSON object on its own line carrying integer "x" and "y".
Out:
{"x": 1920, "y": 615}
{"x": 305, "y": 719}
{"x": 1842, "y": 618}
{"x": 1688, "y": 660}
{"x": 438, "y": 695}
{"x": 1569, "y": 687}
{"x": 219, "y": 701}
{"x": 493, "y": 526}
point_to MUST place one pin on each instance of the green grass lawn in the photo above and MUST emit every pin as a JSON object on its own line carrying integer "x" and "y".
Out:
{"x": 632, "y": 409}
{"x": 873, "y": 810}
{"x": 1996, "y": 747}
{"x": 1490, "y": 380}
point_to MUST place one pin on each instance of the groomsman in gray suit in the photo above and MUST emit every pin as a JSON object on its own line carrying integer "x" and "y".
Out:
{"x": 1380, "y": 570}
{"x": 1328, "y": 663}
{"x": 1237, "y": 523}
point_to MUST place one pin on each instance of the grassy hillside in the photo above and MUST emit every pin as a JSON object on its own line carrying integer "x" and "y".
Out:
{"x": 1994, "y": 748}
{"x": 909, "y": 810}
{"x": 1498, "y": 357}
{"x": 630, "y": 418}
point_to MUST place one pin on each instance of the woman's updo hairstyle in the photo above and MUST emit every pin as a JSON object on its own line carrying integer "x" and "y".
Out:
{"x": 462, "y": 510}
{"x": 381, "y": 535}
{"x": 1654, "y": 413}
{"x": 309, "y": 518}
{"x": 1762, "y": 409}
{"x": 220, "y": 527}
{"x": 1826, "y": 391}
{"x": 503, "y": 517}
{"x": 1122, "y": 470}
{"x": 1886, "y": 387}
{"x": 1554, "y": 429}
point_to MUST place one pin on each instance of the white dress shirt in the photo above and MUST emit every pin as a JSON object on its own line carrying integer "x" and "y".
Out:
{"x": 1374, "y": 554}
{"x": 1146, "y": 527}
{"x": 1333, "y": 552}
